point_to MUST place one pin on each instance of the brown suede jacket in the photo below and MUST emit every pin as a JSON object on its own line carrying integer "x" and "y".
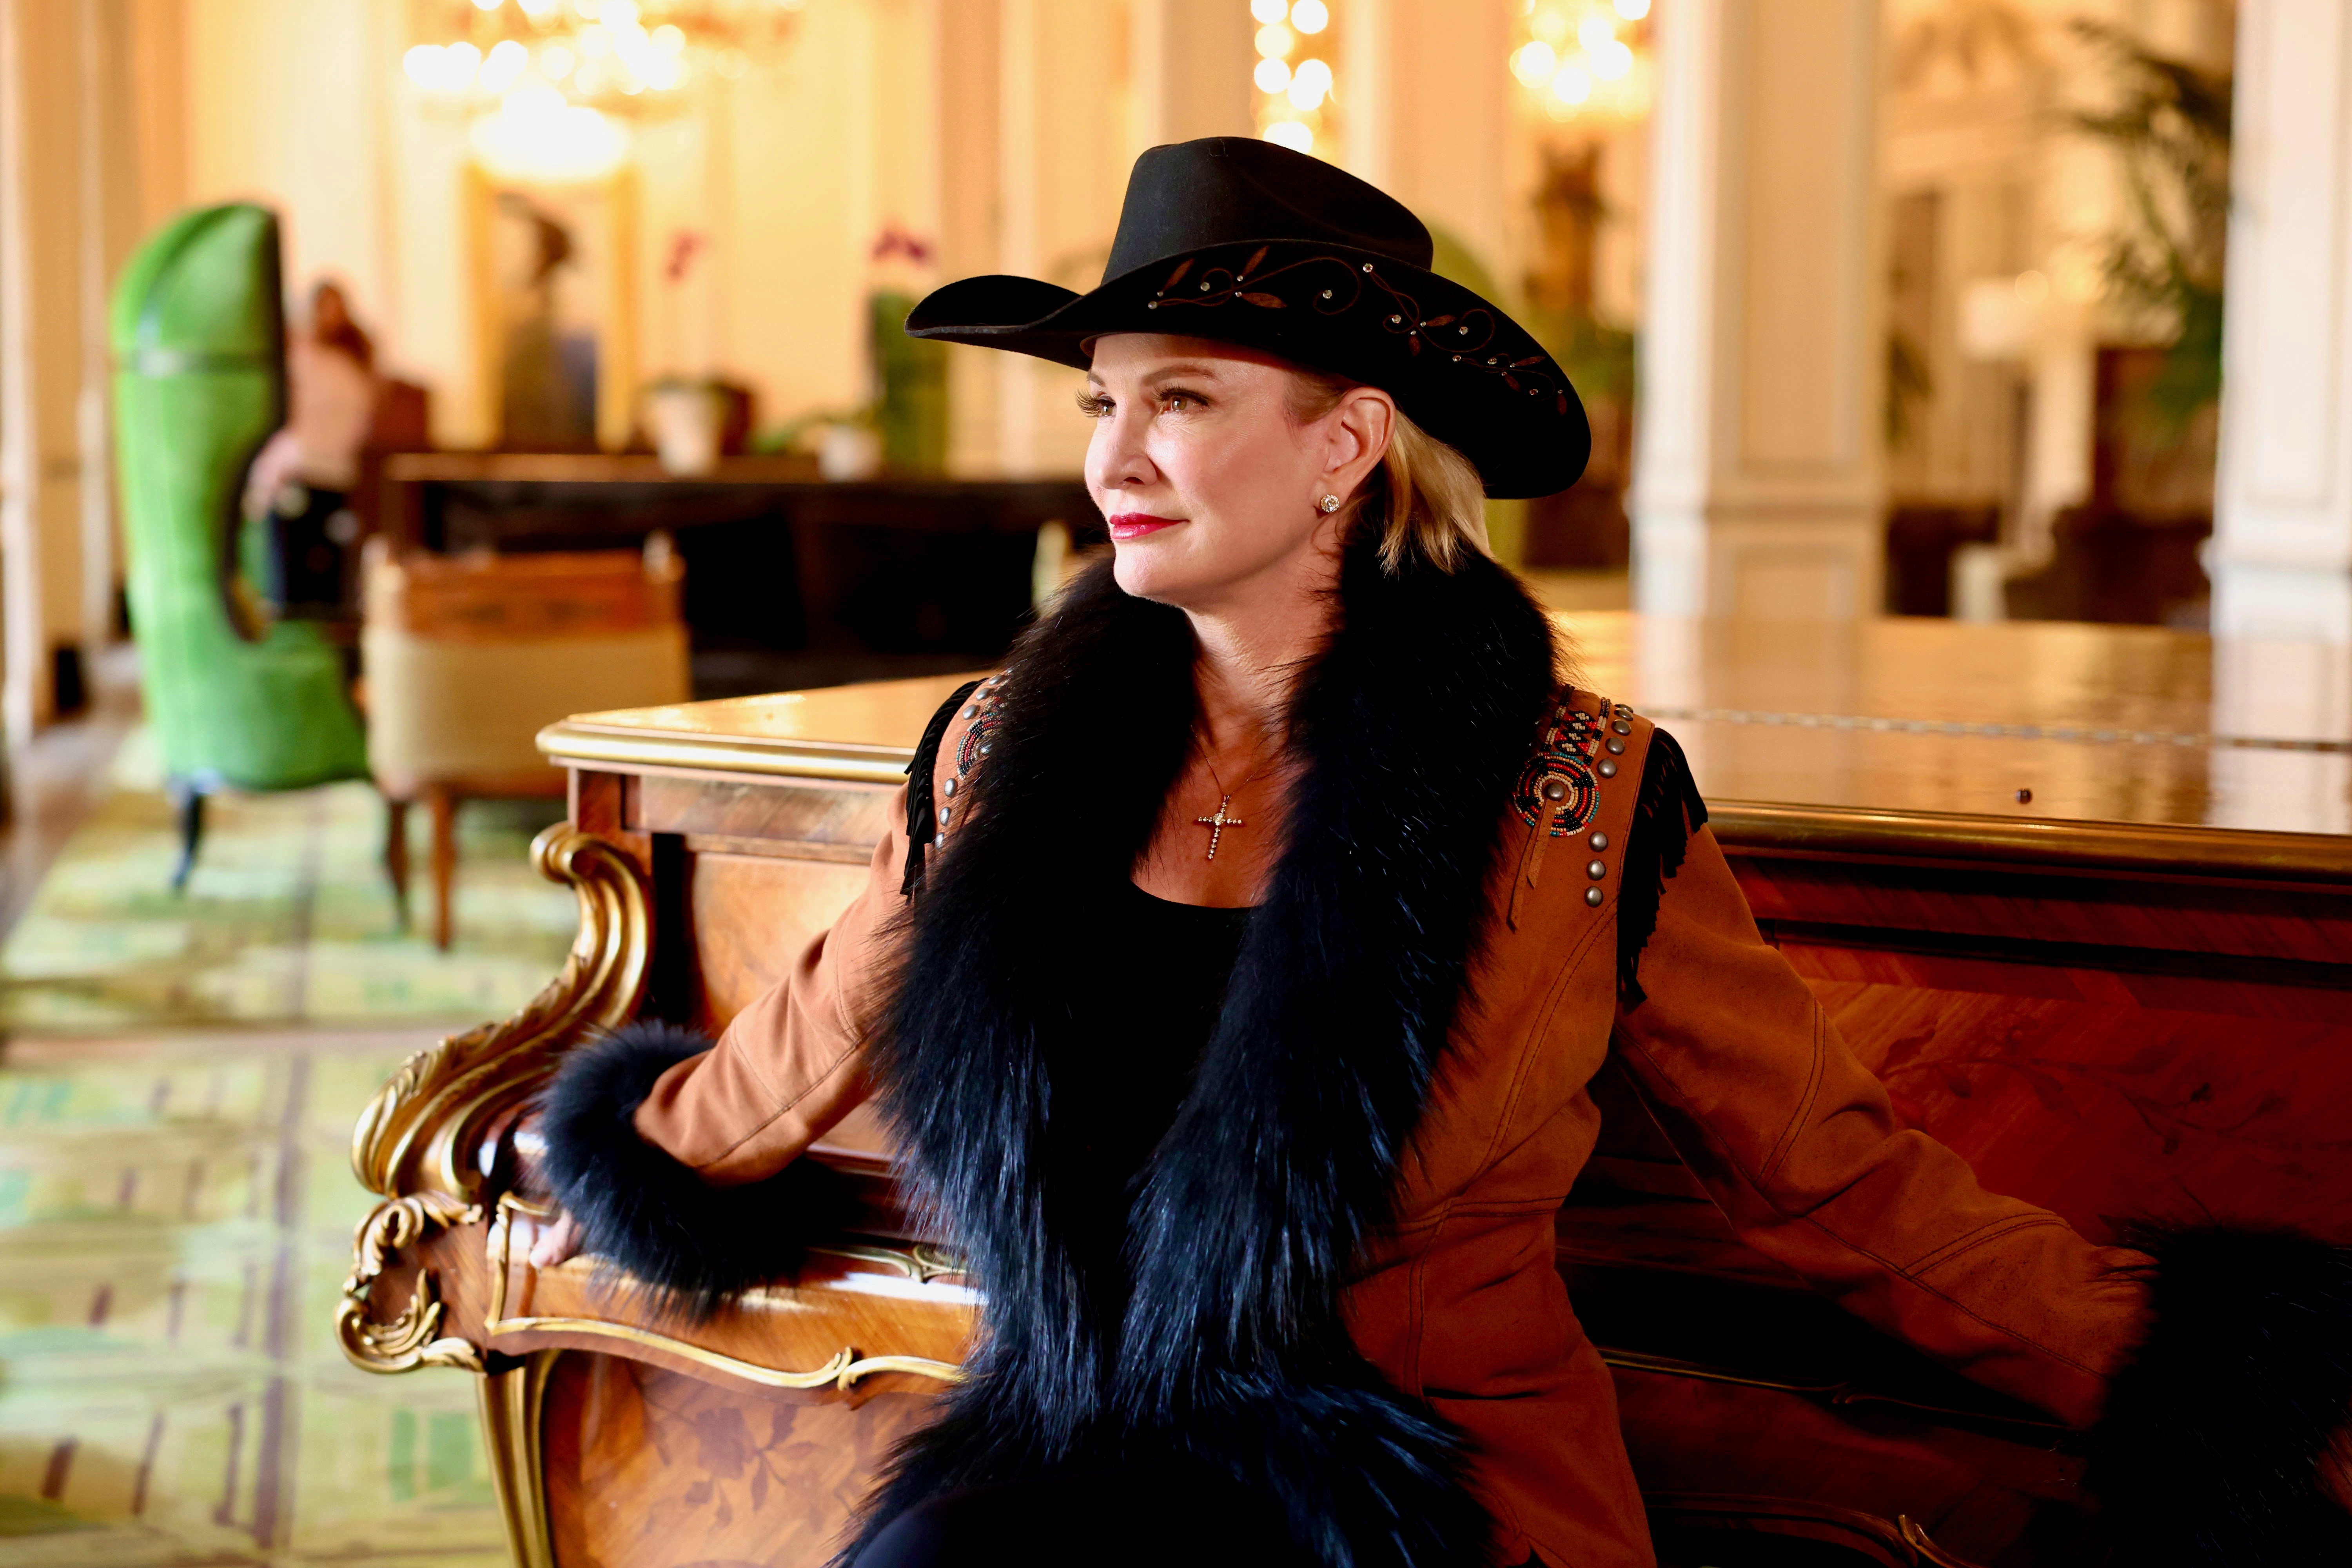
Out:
{"x": 1460, "y": 1302}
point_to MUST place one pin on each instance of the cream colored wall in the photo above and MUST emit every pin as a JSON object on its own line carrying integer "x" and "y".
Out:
{"x": 792, "y": 220}
{"x": 285, "y": 104}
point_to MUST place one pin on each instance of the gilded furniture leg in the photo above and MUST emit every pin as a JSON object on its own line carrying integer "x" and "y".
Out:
{"x": 511, "y": 1403}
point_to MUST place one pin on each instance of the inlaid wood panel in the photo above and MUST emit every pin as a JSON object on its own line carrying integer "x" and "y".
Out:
{"x": 753, "y": 914}
{"x": 2108, "y": 1113}
{"x": 850, "y": 818}
{"x": 648, "y": 1468}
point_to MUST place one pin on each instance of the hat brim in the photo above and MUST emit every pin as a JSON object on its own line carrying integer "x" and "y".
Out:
{"x": 1457, "y": 366}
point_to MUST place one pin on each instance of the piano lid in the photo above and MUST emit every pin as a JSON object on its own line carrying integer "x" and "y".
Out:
{"x": 2035, "y": 740}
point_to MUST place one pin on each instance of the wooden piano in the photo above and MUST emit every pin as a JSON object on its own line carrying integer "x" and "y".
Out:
{"x": 2089, "y": 919}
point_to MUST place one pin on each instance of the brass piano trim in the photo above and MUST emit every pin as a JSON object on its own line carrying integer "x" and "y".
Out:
{"x": 843, "y": 1371}
{"x": 922, "y": 1262}
{"x": 512, "y": 1400}
{"x": 2111, "y": 848}
{"x": 583, "y": 744}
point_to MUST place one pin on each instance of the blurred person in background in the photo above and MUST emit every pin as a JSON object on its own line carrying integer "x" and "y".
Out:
{"x": 300, "y": 491}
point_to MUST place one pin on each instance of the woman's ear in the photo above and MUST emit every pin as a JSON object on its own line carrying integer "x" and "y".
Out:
{"x": 1361, "y": 425}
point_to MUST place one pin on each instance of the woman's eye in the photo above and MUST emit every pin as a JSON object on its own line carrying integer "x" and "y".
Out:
{"x": 1094, "y": 407}
{"x": 1177, "y": 402}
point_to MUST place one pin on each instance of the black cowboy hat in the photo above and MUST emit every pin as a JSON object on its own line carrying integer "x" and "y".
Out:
{"x": 1250, "y": 243}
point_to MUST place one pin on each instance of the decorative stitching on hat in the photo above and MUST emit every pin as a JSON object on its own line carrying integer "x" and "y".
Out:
{"x": 1473, "y": 331}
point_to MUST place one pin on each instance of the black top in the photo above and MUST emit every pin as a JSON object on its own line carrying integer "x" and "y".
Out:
{"x": 1143, "y": 1004}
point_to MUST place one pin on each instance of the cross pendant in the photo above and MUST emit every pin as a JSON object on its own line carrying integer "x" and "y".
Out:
{"x": 1218, "y": 824}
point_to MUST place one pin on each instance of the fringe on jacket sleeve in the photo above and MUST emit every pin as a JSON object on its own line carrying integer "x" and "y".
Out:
{"x": 922, "y": 813}
{"x": 645, "y": 1211}
{"x": 1666, "y": 812}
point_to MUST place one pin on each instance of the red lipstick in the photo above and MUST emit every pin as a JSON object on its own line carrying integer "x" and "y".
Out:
{"x": 1136, "y": 524}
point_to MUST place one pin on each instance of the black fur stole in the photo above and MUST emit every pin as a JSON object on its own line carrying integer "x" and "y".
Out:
{"x": 657, "y": 1218}
{"x": 2208, "y": 1452}
{"x": 1231, "y": 1356}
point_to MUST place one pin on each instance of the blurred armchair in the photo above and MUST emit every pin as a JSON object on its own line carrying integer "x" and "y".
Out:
{"x": 468, "y": 657}
{"x": 199, "y": 338}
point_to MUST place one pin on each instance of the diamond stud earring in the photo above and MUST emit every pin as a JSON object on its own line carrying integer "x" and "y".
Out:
{"x": 1328, "y": 504}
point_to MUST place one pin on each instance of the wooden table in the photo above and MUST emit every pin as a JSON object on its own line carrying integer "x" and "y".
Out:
{"x": 788, "y": 576}
{"x": 2125, "y": 995}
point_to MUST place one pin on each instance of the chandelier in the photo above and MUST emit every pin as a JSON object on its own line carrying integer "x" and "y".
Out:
{"x": 1585, "y": 59}
{"x": 629, "y": 56}
{"x": 1293, "y": 75}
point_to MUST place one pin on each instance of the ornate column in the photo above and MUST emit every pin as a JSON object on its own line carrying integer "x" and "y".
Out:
{"x": 2281, "y": 558}
{"x": 2282, "y": 551}
{"x": 1756, "y": 470}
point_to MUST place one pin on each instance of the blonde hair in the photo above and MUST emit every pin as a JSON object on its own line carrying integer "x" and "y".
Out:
{"x": 1425, "y": 498}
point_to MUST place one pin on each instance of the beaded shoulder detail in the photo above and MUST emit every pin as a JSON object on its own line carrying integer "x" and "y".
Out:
{"x": 1559, "y": 786}
{"x": 931, "y": 804}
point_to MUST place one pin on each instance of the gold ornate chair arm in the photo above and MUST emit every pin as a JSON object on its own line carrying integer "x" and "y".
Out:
{"x": 419, "y": 1132}
{"x": 417, "y": 1142}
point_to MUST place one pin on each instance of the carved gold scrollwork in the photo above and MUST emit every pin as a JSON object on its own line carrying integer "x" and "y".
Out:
{"x": 922, "y": 1263}
{"x": 412, "y": 1338}
{"x": 415, "y": 1141}
{"x": 1914, "y": 1535}
{"x": 419, "y": 1132}
{"x": 843, "y": 1371}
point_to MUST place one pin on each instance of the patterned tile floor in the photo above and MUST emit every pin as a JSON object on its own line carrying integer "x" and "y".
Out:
{"x": 287, "y": 917}
{"x": 177, "y": 1089}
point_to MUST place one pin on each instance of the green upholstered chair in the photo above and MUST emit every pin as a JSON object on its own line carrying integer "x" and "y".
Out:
{"x": 199, "y": 338}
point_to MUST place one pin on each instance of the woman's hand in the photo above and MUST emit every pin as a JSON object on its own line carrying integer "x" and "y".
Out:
{"x": 514, "y": 1151}
{"x": 550, "y": 1242}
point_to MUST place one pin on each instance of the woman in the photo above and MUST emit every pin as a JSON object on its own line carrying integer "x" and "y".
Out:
{"x": 1235, "y": 982}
